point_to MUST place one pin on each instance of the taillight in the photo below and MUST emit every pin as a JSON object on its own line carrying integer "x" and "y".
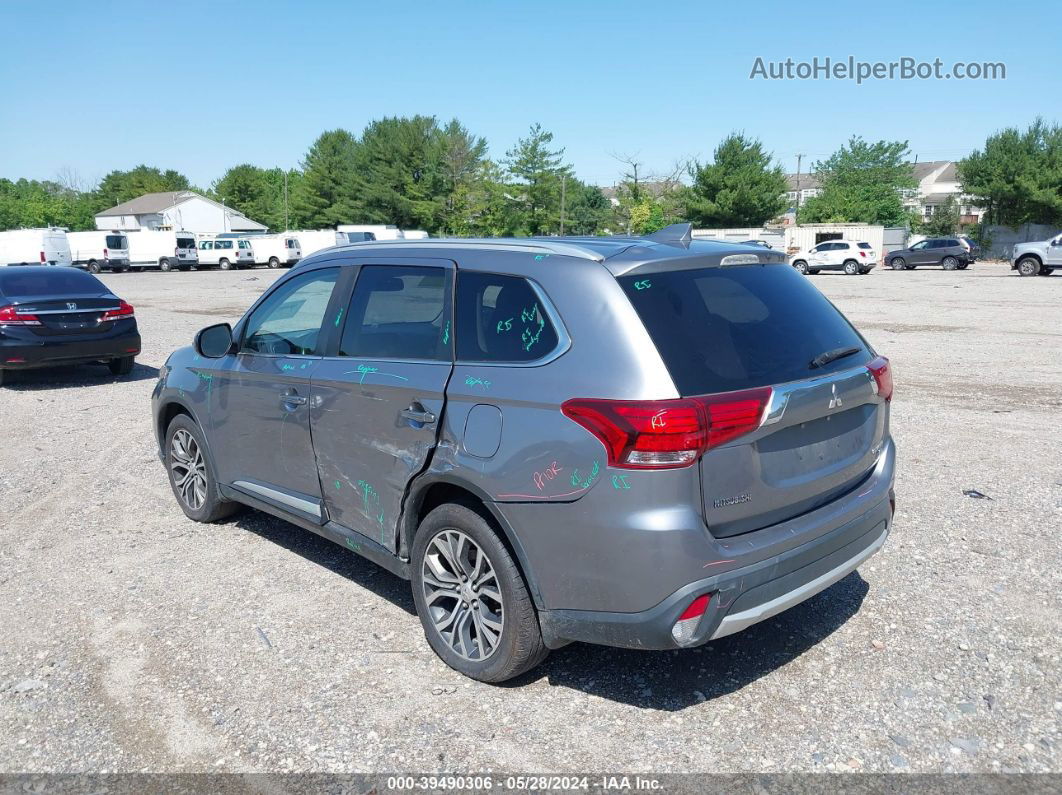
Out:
{"x": 882, "y": 372}
{"x": 9, "y": 316}
{"x": 684, "y": 628}
{"x": 43, "y": 260}
{"x": 123, "y": 310}
{"x": 664, "y": 434}
{"x": 862, "y": 253}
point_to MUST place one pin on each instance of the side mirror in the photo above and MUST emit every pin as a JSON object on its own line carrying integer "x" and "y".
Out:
{"x": 213, "y": 342}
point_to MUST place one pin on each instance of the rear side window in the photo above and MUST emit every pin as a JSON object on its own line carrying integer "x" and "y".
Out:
{"x": 398, "y": 313}
{"x": 206, "y": 245}
{"x": 722, "y": 329}
{"x": 223, "y": 244}
{"x": 864, "y": 245}
{"x": 501, "y": 319}
{"x": 15, "y": 282}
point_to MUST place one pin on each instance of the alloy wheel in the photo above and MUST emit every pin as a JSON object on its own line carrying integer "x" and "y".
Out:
{"x": 462, "y": 595}
{"x": 188, "y": 469}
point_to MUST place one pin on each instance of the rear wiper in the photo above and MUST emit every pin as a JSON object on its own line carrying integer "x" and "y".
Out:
{"x": 831, "y": 356}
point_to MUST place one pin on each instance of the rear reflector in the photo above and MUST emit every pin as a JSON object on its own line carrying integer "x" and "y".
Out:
{"x": 686, "y": 625}
{"x": 43, "y": 260}
{"x": 882, "y": 372}
{"x": 123, "y": 310}
{"x": 664, "y": 434}
{"x": 9, "y": 316}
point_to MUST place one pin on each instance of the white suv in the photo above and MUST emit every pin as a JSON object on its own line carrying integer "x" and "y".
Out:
{"x": 226, "y": 252}
{"x": 851, "y": 256}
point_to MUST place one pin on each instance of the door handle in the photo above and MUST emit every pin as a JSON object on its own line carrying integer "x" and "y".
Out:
{"x": 290, "y": 399}
{"x": 417, "y": 413}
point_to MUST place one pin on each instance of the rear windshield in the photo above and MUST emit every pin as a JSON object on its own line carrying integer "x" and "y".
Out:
{"x": 186, "y": 242}
{"x": 16, "y": 282}
{"x": 721, "y": 329}
{"x": 117, "y": 241}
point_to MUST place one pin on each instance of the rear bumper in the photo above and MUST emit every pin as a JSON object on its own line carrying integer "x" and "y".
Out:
{"x": 739, "y": 598}
{"x": 17, "y": 354}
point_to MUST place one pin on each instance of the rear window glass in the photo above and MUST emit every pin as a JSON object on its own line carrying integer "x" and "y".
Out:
{"x": 864, "y": 245}
{"x": 185, "y": 242}
{"x": 721, "y": 329}
{"x": 397, "y": 313}
{"x": 61, "y": 281}
{"x": 116, "y": 241}
{"x": 245, "y": 244}
{"x": 500, "y": 319}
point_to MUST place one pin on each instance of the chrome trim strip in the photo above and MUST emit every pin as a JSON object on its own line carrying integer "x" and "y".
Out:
{"x": 298, "y": 504}
{"x": 780, "y": 394}
{"x": 736, "y": 622}
{"x": 64, "y": 311}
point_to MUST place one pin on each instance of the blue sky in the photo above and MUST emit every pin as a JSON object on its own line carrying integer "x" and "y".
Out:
{"x": 202, "y": 86}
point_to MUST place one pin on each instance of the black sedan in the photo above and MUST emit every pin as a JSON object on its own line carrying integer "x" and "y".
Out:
{"x": 55, "y": 316}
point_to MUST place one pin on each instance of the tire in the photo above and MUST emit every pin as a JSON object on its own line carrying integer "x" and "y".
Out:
{"x": 274, "y": 262}
{"x": 898, "y": 263}
{"x": 1045, "y": 271}
{"x": 801, "y": 266}
{"x": 224, "y": 264}
{"x": 205, "y": 503}
{"x": 1028, "y": 266}
{"x": 5, "y": 377}
{"x": 93, "y": 266}
{"x": 814, "y": 271}
{"x": 121, "y": 366}
{"x": 949, "y": 263}
{"x": 518, "y": 647}
{"x": 165, "y": 264}
{"x": 851, "y": 267}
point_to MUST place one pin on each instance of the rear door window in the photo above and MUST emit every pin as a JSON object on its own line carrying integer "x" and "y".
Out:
{"x": 501, "y": 319}
{"x": 723, "y": 329}
{"x": 864, "y": 245}
{"x": 398, "y": 312}
{"x": 115, "y": 241}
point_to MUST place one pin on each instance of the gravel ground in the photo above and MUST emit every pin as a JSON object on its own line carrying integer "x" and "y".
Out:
{"x": 134, "y": 639}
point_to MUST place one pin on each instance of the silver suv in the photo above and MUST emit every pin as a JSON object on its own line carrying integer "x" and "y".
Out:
{"x": 638, "y": 442}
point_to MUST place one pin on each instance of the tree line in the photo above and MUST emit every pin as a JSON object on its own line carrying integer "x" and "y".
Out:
{"x": 418, "y": 173}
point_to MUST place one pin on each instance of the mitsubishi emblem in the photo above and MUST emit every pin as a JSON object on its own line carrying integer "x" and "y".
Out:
{"x": 835, "y": 401}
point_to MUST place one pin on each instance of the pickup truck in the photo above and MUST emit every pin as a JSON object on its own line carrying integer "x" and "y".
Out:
{"x": 1030, "y": 259}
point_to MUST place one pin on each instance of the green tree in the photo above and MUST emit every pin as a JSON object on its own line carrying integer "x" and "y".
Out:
{"x": 586, "y": 209}
{"x": 943, "y": 222}
{"x": 1017, "y": 177}
{"x": 739, "y": 187}
{"x": 326, "y": 194}
{"x": 536, "y": 170}
{"x": 462, "y": 157}
{"x": 123, "y": 186}
{"x": 861, "y": 182}
{"x": 258, "y": 193}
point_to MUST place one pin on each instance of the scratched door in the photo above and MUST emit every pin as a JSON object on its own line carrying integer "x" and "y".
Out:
{"x": 378, "y": 403}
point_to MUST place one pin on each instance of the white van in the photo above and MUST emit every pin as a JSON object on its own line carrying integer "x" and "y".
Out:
{"x": 313, "y": 240}
{"x": 96, "y": 251}
{"x": 274, "y": 250}
{"x": 382, "y": 231}
{"x": 414, "y": 234}
{"x": 46, "y": 246}
{"x": 163, "y": 249}
{"x": 225, "y": 252}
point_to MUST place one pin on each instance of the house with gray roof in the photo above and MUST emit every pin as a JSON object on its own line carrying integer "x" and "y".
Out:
{"x": 182, "y": 210}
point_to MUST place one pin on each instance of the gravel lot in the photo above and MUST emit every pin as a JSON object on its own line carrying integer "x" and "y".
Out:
{"x": 134, "y": 639}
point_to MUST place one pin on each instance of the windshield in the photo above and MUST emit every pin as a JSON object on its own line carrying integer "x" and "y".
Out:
{"x": 723, "y": 329}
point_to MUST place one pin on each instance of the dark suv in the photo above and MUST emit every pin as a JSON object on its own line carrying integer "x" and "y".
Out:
{"x": 646, "y": 443}
{"x": 947, "y": 252}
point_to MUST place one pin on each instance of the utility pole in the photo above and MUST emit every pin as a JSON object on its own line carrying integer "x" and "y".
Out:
{"x": 286, "y": 225}
{"x": 796, "y": 214}
{"x": 564, "y": 182}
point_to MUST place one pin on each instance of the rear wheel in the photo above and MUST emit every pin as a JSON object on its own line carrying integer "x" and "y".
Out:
{"x": 471, "y": 598}
{"x": 224, "y": 264}
{"x": 898, "y": 263}
{"x": 274, "y": 262}
{"x": 191, "y": 472}
{"x": 121, "y": 366}
{"x": 851, "y": 267}
{"x": 1028, "y": 266}
{"x": 949, "y": 263}
{"x": 165, "y": 264}
{"x": 93, "y": 266}
{"x": 801, "y": 266}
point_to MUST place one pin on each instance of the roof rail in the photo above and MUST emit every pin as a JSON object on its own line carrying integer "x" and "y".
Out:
{"x": 676, "y": 233}
{"x": 500, "y": 244}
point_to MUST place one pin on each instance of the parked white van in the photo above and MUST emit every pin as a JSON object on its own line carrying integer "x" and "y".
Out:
{"x": 164, "y": 249}
{"x": 46, "y": 246}
{"x": 272, "y": 250}
{"x": 96, "y": 251}
{"x": 225, "y": 252}
{"x": 382, "y": 231}
{"x": 414, "y": 234}
{"x": 313, "y": 240}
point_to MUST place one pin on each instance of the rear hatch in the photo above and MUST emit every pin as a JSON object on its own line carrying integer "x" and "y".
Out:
{"x": 724, "y": 329}
{"x": 186, "y": 250}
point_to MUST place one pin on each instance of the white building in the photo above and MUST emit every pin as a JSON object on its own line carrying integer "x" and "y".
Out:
{"x": 938, "y": 181}
{"x": 178, "y": 210}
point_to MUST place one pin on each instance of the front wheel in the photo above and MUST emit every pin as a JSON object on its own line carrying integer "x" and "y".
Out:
{"x": 851, "y": 268}
{"x": 898, "y": 264}
{"x": 471, "y": 598}
{"x": 1028, "y": 266}
{"x": 801, "y": 266}
{"x": 191, "y": 473}
{"x": 949, "y": 263}
{"x": 121, "y": 366}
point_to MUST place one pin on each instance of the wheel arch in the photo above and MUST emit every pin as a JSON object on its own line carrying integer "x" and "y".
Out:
{"x": 433, "y": 490}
